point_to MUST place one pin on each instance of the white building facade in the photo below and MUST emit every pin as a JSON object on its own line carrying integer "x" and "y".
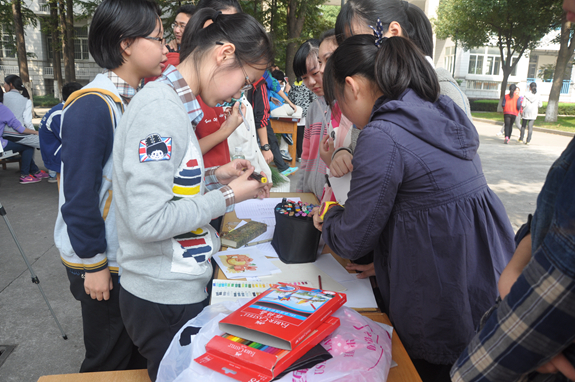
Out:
{"x": 40, "y": 66}
{"x": 480, "y": 75}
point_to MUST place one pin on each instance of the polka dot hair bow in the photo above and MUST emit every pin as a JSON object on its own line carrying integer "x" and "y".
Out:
{"x": 379, "y": 33}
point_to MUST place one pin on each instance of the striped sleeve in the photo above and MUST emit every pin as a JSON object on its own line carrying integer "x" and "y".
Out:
{"x": 212, "y": 183}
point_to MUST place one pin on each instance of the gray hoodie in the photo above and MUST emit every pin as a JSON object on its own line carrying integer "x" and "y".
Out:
{"x": 162, "y": 207}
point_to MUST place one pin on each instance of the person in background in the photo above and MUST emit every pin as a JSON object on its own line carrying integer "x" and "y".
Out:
{"x": 18, "y": 101}
{"x": 27, "y": 166}
{"x": 269, "y": 145}
{"x": 49, "y": 133}
{"x": 125, "y": 38}
{"x": 279, "y": 108}
{"x": 519, "y": 118}
{"x": 531, "y": 104}
{"x": 183, "y": 15}
{"x": 302, "y": 97}
{"x": 511, "y": 105}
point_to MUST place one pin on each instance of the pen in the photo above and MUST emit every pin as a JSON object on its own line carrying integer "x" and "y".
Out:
{"x": 258, "y": 242}
{"x": 259, "y": 177}
{"x": 319, "y": 279}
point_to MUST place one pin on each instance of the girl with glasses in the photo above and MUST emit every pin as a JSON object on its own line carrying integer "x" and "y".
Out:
{"x": 165, "y": 196}
{"x": 124, "y": 40}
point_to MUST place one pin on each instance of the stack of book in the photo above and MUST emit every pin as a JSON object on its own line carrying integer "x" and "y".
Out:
{"x": 271, "y": 332}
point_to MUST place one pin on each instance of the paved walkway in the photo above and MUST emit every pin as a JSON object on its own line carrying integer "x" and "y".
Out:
{"x": 515, "y": 172}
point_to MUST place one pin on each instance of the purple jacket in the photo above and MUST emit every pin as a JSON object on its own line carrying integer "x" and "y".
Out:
{"x": 441, "y": 237}
{"x": 8, "y": 118}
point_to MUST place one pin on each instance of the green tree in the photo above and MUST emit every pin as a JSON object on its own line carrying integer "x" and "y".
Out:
{"x": 514, "y": 26}
{"x": 566, "y": 48}
{"x": 290, "y": 23}
{"x": 14, "y": 16}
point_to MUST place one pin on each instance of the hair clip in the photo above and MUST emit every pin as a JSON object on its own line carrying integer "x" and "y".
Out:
{"x": 379, "y": 33}
{"x": 215, "y": 18}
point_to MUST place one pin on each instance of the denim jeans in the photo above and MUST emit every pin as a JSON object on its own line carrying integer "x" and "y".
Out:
{"x": 27, "y": 153}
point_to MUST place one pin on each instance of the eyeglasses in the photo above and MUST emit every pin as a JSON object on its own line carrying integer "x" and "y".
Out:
{"x": 179, "y": 25}
{"x": 161, "y": 40}
{"x": 247, "y": 85}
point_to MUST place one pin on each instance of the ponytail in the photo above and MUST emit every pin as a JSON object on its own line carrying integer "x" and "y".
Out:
{"x": 16, "y": 82}
{"x": 252, "y": 44}
{"x": 399, "y": 65}
{"x": 421, "y": 34}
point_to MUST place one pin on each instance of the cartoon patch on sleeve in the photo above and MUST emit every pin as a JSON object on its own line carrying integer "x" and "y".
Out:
{"x": 155, "y": 148}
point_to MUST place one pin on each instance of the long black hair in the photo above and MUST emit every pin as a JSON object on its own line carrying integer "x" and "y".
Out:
{"x": 413, "y": 21}
{"x": 399, "y": 65}
{"x": 307, "y": 50}
{"x": 533, "y": 87}
{"x": 16, "y": 82}
{"x": 252, "y": 44}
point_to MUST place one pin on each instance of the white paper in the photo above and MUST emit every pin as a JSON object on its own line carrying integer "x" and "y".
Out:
{"x": 307, "y": 272}
{"x": 244, "y": 262}
{"x": 359, "y": 294}
{"x": 267, "y": 249}
{"x": 340, "y": 187}
{"x": 332, "y": 267}
{"x": 258, "y": 208}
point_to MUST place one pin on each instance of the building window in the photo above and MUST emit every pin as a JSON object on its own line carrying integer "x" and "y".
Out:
{"x": 81, "y": 43}
{"x": 483, "y": 85}
{"x": 514, "y": 71}
{"x": 493, "y": 65}
{"x": 475, "y": 64}
{"x": 485, "y": 55}
{"x": 448, "y": 61}
{"x": 8, "y": 48}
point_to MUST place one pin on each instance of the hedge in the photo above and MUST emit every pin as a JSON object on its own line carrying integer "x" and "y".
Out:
{"x": 490, "y": 105}
{"x": 46, "y": 101}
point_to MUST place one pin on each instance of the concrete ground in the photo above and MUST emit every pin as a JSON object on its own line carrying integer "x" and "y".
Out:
{"x": 515, "y": 172}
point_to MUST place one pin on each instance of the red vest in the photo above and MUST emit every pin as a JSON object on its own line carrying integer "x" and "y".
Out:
{"x": 510, "y": 105}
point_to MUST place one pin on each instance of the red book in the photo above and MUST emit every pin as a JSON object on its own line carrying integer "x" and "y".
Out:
{"x": 283, "y": 316}
{"x": 252, "y": 363}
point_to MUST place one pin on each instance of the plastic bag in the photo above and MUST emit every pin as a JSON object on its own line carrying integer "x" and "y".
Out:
{"x": 361, "y": 350}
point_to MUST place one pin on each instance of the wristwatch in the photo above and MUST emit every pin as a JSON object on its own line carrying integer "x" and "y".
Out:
{"x": 265, "y": 147}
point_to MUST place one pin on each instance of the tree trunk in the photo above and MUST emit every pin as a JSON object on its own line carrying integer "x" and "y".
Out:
{"x": 20, "y": 41}
{"x": 295, "y": 21}
{"x": 56, "y": 63}
{"x": 21, "y": 47}
{"x": 566, "y": 49}
{"x": 69, "y": 63}
{"x": 63, "y": 34}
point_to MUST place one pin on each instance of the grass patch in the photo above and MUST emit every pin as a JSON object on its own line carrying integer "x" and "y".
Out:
{"x": 46, "y": 101}
{"x": 563, "y": 123}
